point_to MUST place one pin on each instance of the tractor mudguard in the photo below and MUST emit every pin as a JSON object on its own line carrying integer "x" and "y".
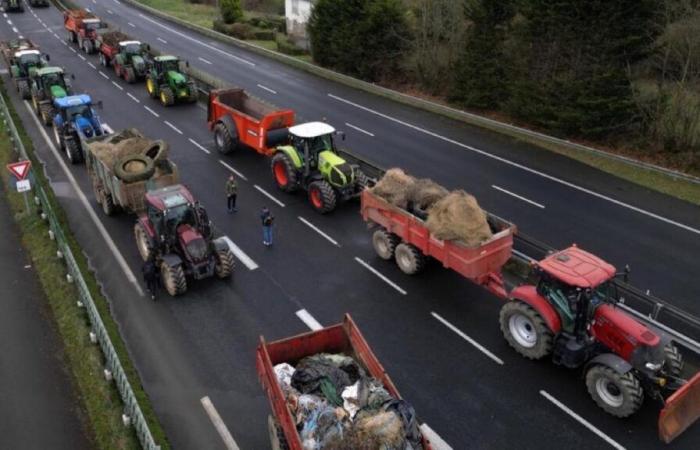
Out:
{"x": 172, "y": 260}
{"x": 146, "y": 224}
{"x": 292, "y": 153}
{"x": 611, "y": 360}
{"x": 220, "y": 244}
{"x": 230, "y": 124}
{"x": 529, "y": 295}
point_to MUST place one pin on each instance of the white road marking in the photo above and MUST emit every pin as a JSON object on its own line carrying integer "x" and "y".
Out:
{"x": 436, "y": 442}
{"x": 4, "y": 15}
{"x": 110, "y": 11}
{"x": 205, "y": 61}
{"x": 15, "y": 30}
{"x": 219, "y": 424}
{"x": 133, "y": 98}
{"x": 86, "y": 204}
{"x": 73, "y": 50}
{"x": 522, "y": 167}
{"x": 385, "y": 279}
{"x": 104, "y": 75}
{"x": 240, "y": 254}
{"x": 9, "y": 22}
{"x": 309, "y": 320}
{"x": 172, "y": 126}
{"x": 131, "y": 25}
{"x": 117, "y": 85}
{"x": 233, "y": 170}
{"x": 268, "y": 195}
{"x": 107, "y": 128}
{"x": 359, "y": 129}
{"x": 267, "y": 89}
{"x": 519, "y": 197}
{"x": 197, "y": 144}
{"x": 83, "y": 58}
{"x": 162, "y": 40}
{"x": 459, "y": 332}
{"x": 211, "y": 47}
{"x": 317, "y": 230}
{"x": 151, "y": 111}
{"x": 582, "y": 421}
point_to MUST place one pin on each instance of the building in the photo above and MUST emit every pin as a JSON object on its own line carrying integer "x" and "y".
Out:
{"x": 297, "y": 13}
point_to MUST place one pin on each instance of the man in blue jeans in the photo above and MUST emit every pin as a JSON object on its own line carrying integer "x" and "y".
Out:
{"x": 267, "y": 219}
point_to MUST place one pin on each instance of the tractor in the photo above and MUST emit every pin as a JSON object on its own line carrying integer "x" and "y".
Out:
{"x": 131, "y": 61}
{"x": 12, "y": 6}
{"x": 25, "y": 63}
{"x": 75, "y": 121}
{"x": 48, "y": 84}
{"x": 312, "y": 162}
{"x": 36, "y": 3}
{"x": 571, "y": 315}
{"x": 176, "y": 230}
{"x": 166, "y": 82}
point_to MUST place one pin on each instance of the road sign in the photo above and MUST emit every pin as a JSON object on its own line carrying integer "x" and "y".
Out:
{"x": 24, "y": 186}
{"x": 20, "y": 169}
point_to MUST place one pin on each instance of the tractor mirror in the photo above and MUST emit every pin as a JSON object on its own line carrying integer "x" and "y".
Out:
{"x": 47, "y": 57}
{"x": 626, "y": 276}
{"x": 99, "y": 104}
{"x": 72, "y": 76}
{"x": 341, "y": 134}
{"x": 187, "y": 64}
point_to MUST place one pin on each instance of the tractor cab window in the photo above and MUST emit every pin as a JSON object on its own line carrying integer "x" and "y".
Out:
{"x": 74, "y": 112}
{"x": 155, "y": 216}
{"x": 31, "y": 59}
{"x": 53, "y": 79}
{"x": 131, "y": 49}
{"x": 320, "y": 144}
{"x": 92, "y": 26}
{"x": 167, "y": 66}
{"x": 603, "y": 293}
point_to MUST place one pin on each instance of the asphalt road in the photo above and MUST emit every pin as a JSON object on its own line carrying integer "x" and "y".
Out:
{"x": 203, "y": 343}
{"x": 38, "y": 402}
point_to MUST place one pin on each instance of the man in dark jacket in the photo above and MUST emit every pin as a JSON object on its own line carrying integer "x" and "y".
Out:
{"x": 231, "y": 194}
{"x": 150, "y": 275}
{"x": 267, "y": 220}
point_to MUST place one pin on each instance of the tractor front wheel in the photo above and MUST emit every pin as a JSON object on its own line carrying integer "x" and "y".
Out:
{"x": 75, "y": 155}
{"x": 284, "y": 173}
{"x": 167, "y": 97}
{"x": 322, "y": 196}
{"x": 151, "y": 88}
{"x": 143, "y": 243}
{"x": 673, "y": 360}
{"x": 617, "y": 394}
{"x": 525, "y": 330}
{"x": 173, "y": 278}
{"x": 224, "y": 141}
{"x": 59, "y": 141}
{"x": 224, "y": 263}
{"x": 385, "y": 243}
{"x": 23, "y": 89}
{"x": 409, "y": 259}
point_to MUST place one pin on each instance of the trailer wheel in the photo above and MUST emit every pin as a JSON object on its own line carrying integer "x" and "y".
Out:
{"x": 224, "y": 141}
{"x": 322, "y": 196}
{"x": 133, "y": 168}
{"x": 617, "y": 394}
{"x": 129, "y": 75}
{"x": 167, "y": 97}
{"x": 385, "y": 243}
{"x": 173, "y": 278}
{"x": 75, "y": 155}
{"x": 23, "y": 89}
{"x": 224, "y": 263}
{"x": 409, "y": 259}
{"x": 143, "y": 243}
{"x": 673, "y": 360}
{"x": 277, "y": 439}
{"x": 525, "y": 330}
{"x": 108, "y": 206}
{"x": 284, "y": 172}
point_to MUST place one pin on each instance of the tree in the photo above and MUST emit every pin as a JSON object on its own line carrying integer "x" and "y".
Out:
{"x": 231, "y": 10}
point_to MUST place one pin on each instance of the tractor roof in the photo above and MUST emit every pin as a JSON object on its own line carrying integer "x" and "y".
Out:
{"x": 164, "y": 58}
{"x": 21, "y": 53}
{"x": 577, "y": 268}
{"x": 311, "y": 130}
{"x": 92, "y": 20}
{"x": 169, "y": 197}
{"x": 49, "y": 70}
{"x": 129, "y": 42}
{"x": 73, "y": 100}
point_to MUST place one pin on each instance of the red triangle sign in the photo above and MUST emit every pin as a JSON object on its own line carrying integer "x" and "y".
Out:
{"x": 20, "y": 169}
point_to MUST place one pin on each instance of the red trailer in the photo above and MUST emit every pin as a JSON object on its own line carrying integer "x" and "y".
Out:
{"x": 236, "y": 118}
{"x": 343, "y": 338}
{"x": 82, "y": 28}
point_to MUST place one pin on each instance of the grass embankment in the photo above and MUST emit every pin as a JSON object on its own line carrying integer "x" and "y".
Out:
{"x": 199, "y": 14}
{"x": 99, "y": 399}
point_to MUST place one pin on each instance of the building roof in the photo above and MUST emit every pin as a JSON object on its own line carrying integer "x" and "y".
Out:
{"x": 311, "y": 130}
{"x": 577, "y": 268}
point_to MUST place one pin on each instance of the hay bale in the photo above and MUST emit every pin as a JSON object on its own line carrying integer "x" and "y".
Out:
{"x": 458, "y": 217}
{"x": 395, "y": 187}
{"x": 425, "y": 193}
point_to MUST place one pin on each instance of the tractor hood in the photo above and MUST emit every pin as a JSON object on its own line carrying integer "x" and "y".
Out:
{"x": 87, "y": 127}
{"x": 58, "y": 92}
{"x": 139, "y": 63}
{"x": 176, "y": 77}
{"x": 626, "y": 336}
{"x": 193, "y": 243}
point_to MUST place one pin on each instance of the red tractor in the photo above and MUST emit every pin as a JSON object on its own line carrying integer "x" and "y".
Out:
{"x": 570, "y": 315}
{"x": 176, "y": 230}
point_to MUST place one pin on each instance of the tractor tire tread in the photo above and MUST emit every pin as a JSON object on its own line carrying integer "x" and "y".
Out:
{"x": 409, "y": 259}
{"x": 629, "y": 385}
{"x": 384, "y": 243}
{"x": 292, "y": 177}
{"x": 328, "y": 198}
{"x": 545, "y": 337}
{"x": 225, "y": 263}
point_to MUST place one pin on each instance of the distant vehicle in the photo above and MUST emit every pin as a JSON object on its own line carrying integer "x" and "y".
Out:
{"x": 82, "y": 28}
{"x": 128, "y": 57}
{"x": 75, "y": 121}
{"x": 12, "y": 6}
{"x": 166, "y": 82}
{"x": 24, "y": 59}
{"x": 36, "y": 3}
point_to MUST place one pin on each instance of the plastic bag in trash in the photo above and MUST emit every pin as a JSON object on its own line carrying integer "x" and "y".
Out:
{"x": 351, "y": 401}
{"x": 407, "y": 415}
{"x": 284, "y": 373}
{"x": 311, "y": 371}
{"x": 324, "y": 427}
{"x": 306, "y": 406}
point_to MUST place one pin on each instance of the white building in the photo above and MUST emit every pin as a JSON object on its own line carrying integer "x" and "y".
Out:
{"x": 297, "y": 13}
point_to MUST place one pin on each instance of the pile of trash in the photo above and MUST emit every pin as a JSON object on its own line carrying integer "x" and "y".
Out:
{"x": 337, "y": 406}
{"x": 450, "y": 216}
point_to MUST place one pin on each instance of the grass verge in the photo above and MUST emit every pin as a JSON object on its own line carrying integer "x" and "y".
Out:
{"x": 101, "y": 401}
{"x": 200, "y": 14}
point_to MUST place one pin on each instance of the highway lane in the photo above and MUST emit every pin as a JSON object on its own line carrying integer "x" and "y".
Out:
{"x": 661, "y": 254}
{"x": 209, "y": 340}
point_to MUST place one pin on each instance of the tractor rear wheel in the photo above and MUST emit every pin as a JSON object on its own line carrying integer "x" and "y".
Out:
{"x": 673, "y": 360}
{"x": 277, "y": 438}
{"x": 361, "y": 180}
{"x": 224, "y": 263}
{"x": 143, "y": 243}
{"x": 173, "y": 278}
{"x": 23, "y": 89}
{"x": 385, "y": 243}
{"x": 88, "y": 47}
{"x": 75, "y": 155}
{"x": 525, "y": 330}
{"x": 409, "y": 259}
{"x": 224, "y": 141}
{"x": 151, "y": 88}
{"x": 284, "y": 173}
{"x": 71, "y": 37}
{"x": 167, "y": 97}
{"x": 46, "y": 113}
{"x": 322, "y": 196}
{"x": 617, "y": 394}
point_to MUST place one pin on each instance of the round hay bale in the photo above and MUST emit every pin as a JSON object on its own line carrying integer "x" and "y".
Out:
{"x": 458, "y": 217}
{"x": 395, "y": 187}
{"x": 425, "y": 193}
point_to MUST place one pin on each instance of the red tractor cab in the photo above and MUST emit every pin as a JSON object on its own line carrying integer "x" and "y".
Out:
{"x": 175, "y": 229}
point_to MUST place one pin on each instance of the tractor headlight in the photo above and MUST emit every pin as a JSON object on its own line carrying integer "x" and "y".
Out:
{"x": 653, "y": 367}
{"x": 661, "y": 381}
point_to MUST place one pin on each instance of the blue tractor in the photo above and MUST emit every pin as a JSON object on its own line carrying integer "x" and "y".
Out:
{"x": 75, "y": 121}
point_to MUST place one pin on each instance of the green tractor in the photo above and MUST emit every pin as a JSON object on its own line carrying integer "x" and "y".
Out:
{"x": 48, "y": 84}
{"x": 12, "y": 5}
{"x": 312, "y": 162}
{"x": 25, "y": 63}
{"x": 166, "y": 82}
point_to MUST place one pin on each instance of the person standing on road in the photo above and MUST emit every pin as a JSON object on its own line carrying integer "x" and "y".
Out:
{"x": 231, "y": 194}
{"x": 267, "y": 220}
{"x": 150, "y": 275}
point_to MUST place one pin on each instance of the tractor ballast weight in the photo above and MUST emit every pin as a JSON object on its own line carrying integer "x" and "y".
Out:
{"x": 166, "y": 82}
{"x": 74, "y": 122}
{"x": 48, "y": 84}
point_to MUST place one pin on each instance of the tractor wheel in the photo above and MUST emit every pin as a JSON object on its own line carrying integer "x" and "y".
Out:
{"x": 617, "y": 394}
{"x": 103, "y": 59}
{"x": 322, "y": 196}
{"x": 284, "y": 173}
{"x": 151, "y": 88}
{"x": 35, "y": 104}
{"x": 385, "y": 243}
{"x": 192, "y": 95}
{"x": 23, "y": 89}
{"x": 173, "y": 278}
{"x": 134, "y": 168}
{"x": 72, "y": 37}
{"x": 59, "y": 141}
{"x": 525, "y": 330}
{"x": 129, "y": 75}
{"x": 361, "y": 180}
{"x": 224, "y": 141}
{"x": 46, "y": 114}
{"x": 88, "y": 46}
{"x": 277, "y": 439}
{"x": 73, "y": 151}
{"x": 673, "y": 360}
{"x": 224, "y": 263}
{"x": 143, "y": 243}
{"x": 108, "y": 206}
{"x": 409, "y": 259}
{"x": 167, "y": 97}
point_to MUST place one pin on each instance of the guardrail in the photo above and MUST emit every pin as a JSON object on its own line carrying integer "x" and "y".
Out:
{"x": 132, "y": 412}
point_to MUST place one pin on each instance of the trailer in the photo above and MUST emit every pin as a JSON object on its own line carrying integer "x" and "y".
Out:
{"x": 12, "y": 46}
{"x": 127, "y": 56}
{"x": 83, "y": 28}
{"x": 343, "y": 338}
